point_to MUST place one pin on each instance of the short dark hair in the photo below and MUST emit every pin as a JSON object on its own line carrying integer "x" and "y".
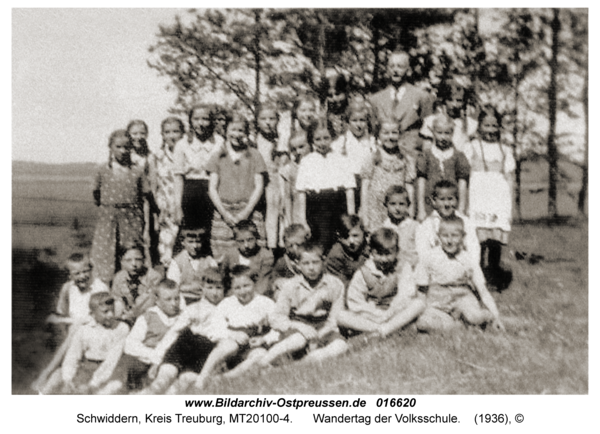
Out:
{"x": 246, "y": 226}
{"x": 347, "y": 223}
{"x": 383, "y": 239}
{"x": 240, "y": 270}
{"x": 131, "y": 246}
{"x": 311, "y": 247}
{"x": 212, "y": 275}
{"x": 395, "y": 189}
{"x": 444, "y": 183}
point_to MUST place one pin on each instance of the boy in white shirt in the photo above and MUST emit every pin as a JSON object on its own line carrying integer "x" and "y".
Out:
{"x": 450, "y": 278}
{"x": 445, "y": 200}
{"x": 93, "y": 352}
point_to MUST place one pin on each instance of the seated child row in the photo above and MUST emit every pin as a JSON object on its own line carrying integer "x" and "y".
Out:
{"x": 183, "y": 330}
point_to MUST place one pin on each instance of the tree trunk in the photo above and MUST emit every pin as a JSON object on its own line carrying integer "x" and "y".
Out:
{"x": 377, "y": 64}
{"x": 584, "y": 176}
{"x": 552, "y": 148}
{"x": 321, "y": 45}
{"x": 517, "y": 192}
{"x": 256, "y": 46}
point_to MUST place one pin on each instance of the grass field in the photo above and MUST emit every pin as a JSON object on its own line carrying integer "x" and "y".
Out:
{"x": 544, "y": 350}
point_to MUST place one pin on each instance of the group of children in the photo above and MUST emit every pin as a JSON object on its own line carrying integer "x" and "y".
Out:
{"x": 287, "y": 247}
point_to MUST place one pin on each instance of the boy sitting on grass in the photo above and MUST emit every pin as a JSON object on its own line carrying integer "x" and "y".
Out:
{"x": 250, "y": 253}
{"x": 187, "y": 268}
{"x": 247, "y": 317}
{"x": 307, "y": 309}
{"x": 94, "y": 351}
{"x": 453, "y": 281}
{"x": 142, "y": 350}
{"x": 73, "y": 304}
{"x": 198, "y": 342}
{"x": 286, "y": 267}
{"x": 445, "y": 200}
{"x": 382, "y": 297}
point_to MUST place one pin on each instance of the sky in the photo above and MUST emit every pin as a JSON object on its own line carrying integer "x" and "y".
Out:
{"x": 78, "y": 75}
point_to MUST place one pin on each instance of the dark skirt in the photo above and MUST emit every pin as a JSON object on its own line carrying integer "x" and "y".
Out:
{"x": 196, "y": 204}
{"x": 323, "y": 212}
{"x": 189, "y": 352}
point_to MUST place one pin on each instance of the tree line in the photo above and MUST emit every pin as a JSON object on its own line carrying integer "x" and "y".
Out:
{"x": 533, "y": 63}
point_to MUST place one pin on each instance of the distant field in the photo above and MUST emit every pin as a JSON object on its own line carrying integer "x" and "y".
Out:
{"x": 544, "y": 351}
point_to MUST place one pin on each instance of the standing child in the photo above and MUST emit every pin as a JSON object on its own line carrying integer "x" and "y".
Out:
{"x": 132, "y": 286}
{"x": 236, "y": 185}
{"x": 286, "y": 267}
{"x": 357, "y": 143}
{"x": 326, "y": 185}
{"x": 189, "y": 266}
{"x": 93, "y": 352}
{"x": 266, "y": 143}
{"x": 194, "y": 206}
{"x": 490, "y": 189}
{"x": 251, "y": 254}
{"x": 247, "y": 317}
{"x": 334, "y": 91}
{"x": 441, "y": 162}
{"x": 140, "y": 156}
{"x": 450, "y": 278}
{"x": 444, "y": 199}
{"x": 387, "y": 166}
{"x": 397, "y": 203}
{"x": 304, "y": 112}
{"x": 138, "y": 134}
{"x": 162, "y": 171}
{"x": 288, "y": 174}
{"x": 453, "y": 99}
{"x": 350, "y": 252}
{"x": 307, "y": 309}
{"x": 118, "y": 192}
{"x": 382, "y": 296}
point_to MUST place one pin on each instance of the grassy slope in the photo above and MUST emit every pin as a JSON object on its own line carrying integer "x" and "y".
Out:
{"x": 544, "y": 351}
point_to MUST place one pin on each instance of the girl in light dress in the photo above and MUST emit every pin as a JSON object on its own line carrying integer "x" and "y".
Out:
{"x": 490, "y": 188}
{"x": 387, "y": 166}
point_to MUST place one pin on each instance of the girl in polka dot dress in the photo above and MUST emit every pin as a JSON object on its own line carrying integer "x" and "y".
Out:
{"x": 119, "y": 190}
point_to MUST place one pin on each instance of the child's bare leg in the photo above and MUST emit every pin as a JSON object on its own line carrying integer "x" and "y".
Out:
{"x": 432, "y": 320}
{"x": 272, "y": 214}
{"x": 472, "y": 312}
{"x": 53, "y": 383}
{"x": 334, "y": 349}
{"x": 253, "y": 358}
{"x": 356, "y": 322}
{"x": 167, "y": 373}
{"x": 221, "y": 352}
{"x": 184, "y": 381}
{"x": 289, "y": 345}
{"x": 403, "y": 317}
{"x": 111, "y": 388}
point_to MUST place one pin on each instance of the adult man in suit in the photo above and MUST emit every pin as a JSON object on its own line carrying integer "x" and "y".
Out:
{"x": 403, "y": 101}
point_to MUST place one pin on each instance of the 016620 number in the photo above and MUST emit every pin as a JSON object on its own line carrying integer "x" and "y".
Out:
{"x": 396, "y": 402}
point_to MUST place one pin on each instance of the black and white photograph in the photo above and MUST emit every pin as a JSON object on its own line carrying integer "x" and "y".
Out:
{"x": 376, "y": 201}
